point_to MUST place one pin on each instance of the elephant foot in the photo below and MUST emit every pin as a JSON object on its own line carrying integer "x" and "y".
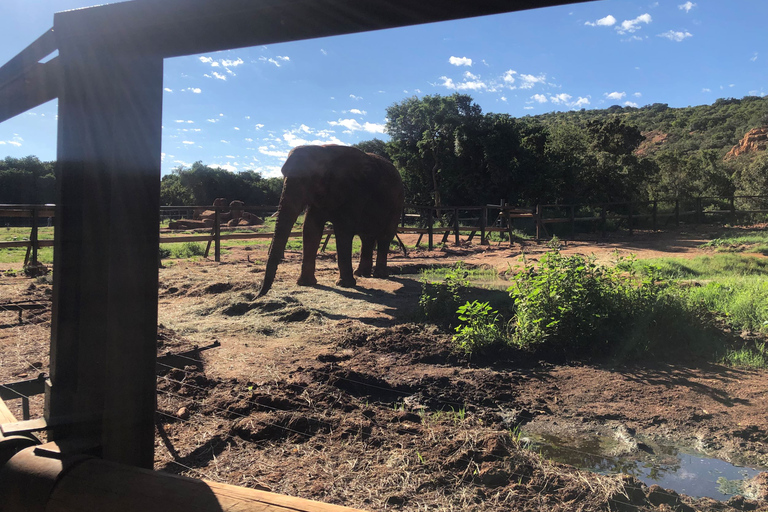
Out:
{"x": 306, "y": 281}
{"x": 363, "y": 273}
{"x": 380, "y": 274}
{"x": 346, "y": 283}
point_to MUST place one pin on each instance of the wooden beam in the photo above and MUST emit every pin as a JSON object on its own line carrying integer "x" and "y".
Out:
{"x": 104, "y": 311}
{"x": 185, "y": 27}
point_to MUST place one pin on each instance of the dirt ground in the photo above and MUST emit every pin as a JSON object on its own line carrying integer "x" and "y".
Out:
{"x": 338, "y": 395}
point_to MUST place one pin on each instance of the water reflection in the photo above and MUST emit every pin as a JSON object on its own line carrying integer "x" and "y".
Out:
{"x": 670, "y": 467}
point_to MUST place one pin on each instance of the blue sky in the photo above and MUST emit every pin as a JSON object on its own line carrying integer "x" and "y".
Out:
{"x": 246, "y": 108}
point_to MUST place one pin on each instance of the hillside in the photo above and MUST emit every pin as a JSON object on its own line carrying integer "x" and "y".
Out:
{"x": 719, "y": 126}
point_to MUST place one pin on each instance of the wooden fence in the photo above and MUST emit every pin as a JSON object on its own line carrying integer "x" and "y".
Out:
{"x": 564, "y": 220}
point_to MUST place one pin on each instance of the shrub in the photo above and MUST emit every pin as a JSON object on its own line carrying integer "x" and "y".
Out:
{"x": 573, "y": 306}
{"x": 440, "y": 300}
{"x": 479, "y": 328}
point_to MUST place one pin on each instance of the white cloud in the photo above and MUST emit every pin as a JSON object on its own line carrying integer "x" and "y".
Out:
{"x": 503, "y": 98}
{"x": 206, "y": 60}
{"x": 224, "y": 141}
{"x": 259, "y": 126}
{"x": 168, "y": 90}
{"x": 228, "y": 63}
{"x": 676, "y": 36}
{"x": 237, "y": 129}
{"x": 608, "y": 21}
{"x": 195, "y": 90}
{"x": 539, "y": 97}
{"x": 187, "y": 142}
{"x": 530, "y": 80}
{"x": 353, "y": 126}
{"x": 509, "y": 76}
{"x": 580, "y": 103}
{"x": 248, "y": 139}
{"x": 706, "y": 90}
{"x": 226, "y": 167}
{"x": 687, "y": 6}
{"x": 470, "y": 76}
{"x": 637, "y": 94}
{"x": 473, "y": 85}
{"x": 356, "y": 98}
{"x": 615, "y": 95}
{"x": 356, "y": 111}
{"x": 561, "y": 98}
{"x": 323, "y": 51}
{"x": 212, "y": 120}
{"x": 630, "y": 26}
{"x": 630, "y": 104}
{"x": 460, "y": 61}
{"x": 264, "y": 150}
{"x": 278, "y": 61}
{"x": 219, "y": 76}
{"x": 754, "y": 57}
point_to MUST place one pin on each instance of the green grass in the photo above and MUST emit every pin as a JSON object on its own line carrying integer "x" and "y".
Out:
{"x": 708, "y": 267}
{"x": 749, "y": 241}
{"x": 751, "y": 356}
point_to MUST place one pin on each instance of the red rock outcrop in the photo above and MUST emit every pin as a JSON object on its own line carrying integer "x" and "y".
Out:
{"x": 755, "y": 140}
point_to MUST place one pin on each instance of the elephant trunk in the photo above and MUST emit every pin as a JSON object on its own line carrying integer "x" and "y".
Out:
{"x": 291, "y": 204}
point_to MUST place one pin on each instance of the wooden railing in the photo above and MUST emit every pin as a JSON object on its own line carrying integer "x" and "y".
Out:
{"x": 447, "y": 221}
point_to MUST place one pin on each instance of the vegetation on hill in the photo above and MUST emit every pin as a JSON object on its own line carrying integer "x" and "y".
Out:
{"x": 449, "y": 152}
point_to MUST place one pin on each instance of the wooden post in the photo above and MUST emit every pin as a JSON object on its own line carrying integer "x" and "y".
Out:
{"x": 629, "y": 219}
{"x": 733, "y": 210}
{"x": 430, "y": 220}
{"x": 217, "y": 234}
{"x": 33, "y": 237}
{"x": 699, "y": 211}
{"x": 457, "y": 241}
{"x": 104, "y": 313}
{"x": 677, "y": 212}
{"x": 655, "y": 210}
{"x": 537, "y": 217}
{"x": 483, "y": 224}
{"x": 603, "y": 218}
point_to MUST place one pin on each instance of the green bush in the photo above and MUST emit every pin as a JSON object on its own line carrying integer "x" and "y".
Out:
{"x": 440, "y": 300}
{"x": 479, "y": 328}
{"x": 573, "y": 306}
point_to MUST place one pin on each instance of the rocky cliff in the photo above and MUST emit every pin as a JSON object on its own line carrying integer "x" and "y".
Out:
{"x": 755, "y": 140}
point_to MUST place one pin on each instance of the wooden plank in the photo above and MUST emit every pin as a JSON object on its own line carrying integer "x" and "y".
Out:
{"x": 96, "y": 485}
{"x": 23, "y": 427}
{"x": 26, "y": 243}
{"x": 227, "y": 24}
{"x": 6, "y": 416}
{"x": 26, "y": 212}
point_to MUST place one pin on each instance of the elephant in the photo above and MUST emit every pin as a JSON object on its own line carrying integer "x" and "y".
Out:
{"x": 359, "y": 193}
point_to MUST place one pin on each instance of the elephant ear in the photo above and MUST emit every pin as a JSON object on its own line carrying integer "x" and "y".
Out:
{"x": 307, "y": 161}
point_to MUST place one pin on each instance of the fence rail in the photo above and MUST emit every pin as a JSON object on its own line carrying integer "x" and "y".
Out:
{"x": 432, "y": 221}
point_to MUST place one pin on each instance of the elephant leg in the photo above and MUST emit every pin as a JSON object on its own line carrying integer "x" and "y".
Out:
{"x": 312, "y": 234}
{"x": 366, "y": 257}
{"x": 344, "y": 258}
{"x": 382, "y": 250}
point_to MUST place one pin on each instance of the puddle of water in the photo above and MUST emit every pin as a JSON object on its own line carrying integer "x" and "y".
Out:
{"x": 685, "y": 472}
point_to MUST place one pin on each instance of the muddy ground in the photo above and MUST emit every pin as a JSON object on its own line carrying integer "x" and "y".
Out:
{"x": 339, "y": 395}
